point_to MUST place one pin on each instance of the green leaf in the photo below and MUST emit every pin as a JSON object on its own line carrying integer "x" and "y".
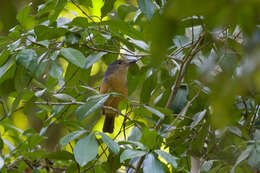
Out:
{"x": 45, "y": 8}
{"x": 59, "y": 155}
{"x": 64, "y": 97}
{"x": 152, "y": 165}
{"x": 80, "y": 22}
{"x": 147, "y": 8}
{"x": 149, "y": 138}
{"x": 74, "y": 56}
{"x": 108, "y": 6}
{"x": 254, "y": 157}
{"x": 15, "y": 32}
{"x": 124, "y": 10}
{"x": 257, "y": 134}
{"x": 197, "y": 118}
{"x": 6, "y": 67}
{"x": 93, "y": 58}
{"x": 135, "y": 134}
{"x": 47, "y": 33}
{"x": 148, "y": 86}
{"x": 87, "y": 3}
{"x": 113, "y": 146}
{"x": 86, "y": 149}
{"x": 168, "y": 157}
{"x": 90, "y": 106}
{"x": 242, "y": 157}
{"x": 56, "y": 71}
{"x": 129, "y": 154}
{"x": 27, "y": 58}
{"x": 24, "y": 19}
{"x": 60, "y": 5}
{"x": 154, "y": 111}
{"x": 4, "y": 55}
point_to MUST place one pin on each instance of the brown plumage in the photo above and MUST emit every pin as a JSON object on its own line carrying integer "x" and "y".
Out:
{"x": 115, "y": 80}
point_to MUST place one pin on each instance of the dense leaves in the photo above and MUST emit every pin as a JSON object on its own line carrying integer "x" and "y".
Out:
{"x": 193, "y": 94}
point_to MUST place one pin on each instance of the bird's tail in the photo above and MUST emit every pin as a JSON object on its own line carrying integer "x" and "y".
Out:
{"x": 109, "y": 124}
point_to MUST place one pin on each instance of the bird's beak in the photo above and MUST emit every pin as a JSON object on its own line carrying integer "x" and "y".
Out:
{"x": 131, "y": 61}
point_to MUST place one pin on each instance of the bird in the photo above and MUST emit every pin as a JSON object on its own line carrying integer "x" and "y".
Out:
{"x": 114, "y": 80}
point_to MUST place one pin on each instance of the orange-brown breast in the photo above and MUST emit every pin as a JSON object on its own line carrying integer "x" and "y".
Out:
{"x": 114, "y": 84}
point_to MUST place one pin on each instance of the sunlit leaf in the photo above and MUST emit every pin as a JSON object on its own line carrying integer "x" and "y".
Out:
{"x": 113, "y": 146}
{"x": 168, "y": 157}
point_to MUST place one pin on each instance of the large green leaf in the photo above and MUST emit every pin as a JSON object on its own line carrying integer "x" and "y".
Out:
{"x": 47, "y": 33}
{"x": 56, "y": 70}
{"x": 90, "y": 106}
{"x": 71, "y": 136}
{"x": 152, "y": 165}
{"x": 147, "y": 8}
{"x": 155, "y": 111}
{"x": 25, "y": 19}
{"x": 149, "y": 138}
{"x": 28, "y": 58}
{"x": 129, "y": 154}
{"x": 254, "y": 157}
{"x": 242, "y": 157}
{"x": 86, "y": 149}
{"x": 74, "y": 56}
{"x": 168, "y": 157}
{"x": 108, "y": 6}
{"x": 80, "y": 22}
{"x": 113, "y": 146}
{"x": 93, "y": 58}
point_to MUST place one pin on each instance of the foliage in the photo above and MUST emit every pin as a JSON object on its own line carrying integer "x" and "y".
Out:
{"x": 194, "y": 91}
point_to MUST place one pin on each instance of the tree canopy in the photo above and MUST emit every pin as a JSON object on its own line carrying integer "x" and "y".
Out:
{"x": 193, "y": 95}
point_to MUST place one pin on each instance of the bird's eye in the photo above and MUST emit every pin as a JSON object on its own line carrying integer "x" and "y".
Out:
{"x": 119, "y": 62}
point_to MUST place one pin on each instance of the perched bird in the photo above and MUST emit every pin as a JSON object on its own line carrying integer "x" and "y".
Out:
{"x": 115, "y": 80}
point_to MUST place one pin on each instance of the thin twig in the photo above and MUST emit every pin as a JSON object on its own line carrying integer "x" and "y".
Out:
{"x": 127, "y": 54}
{"x": 182, "y": 71}
{"x": 83, "y": 11}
